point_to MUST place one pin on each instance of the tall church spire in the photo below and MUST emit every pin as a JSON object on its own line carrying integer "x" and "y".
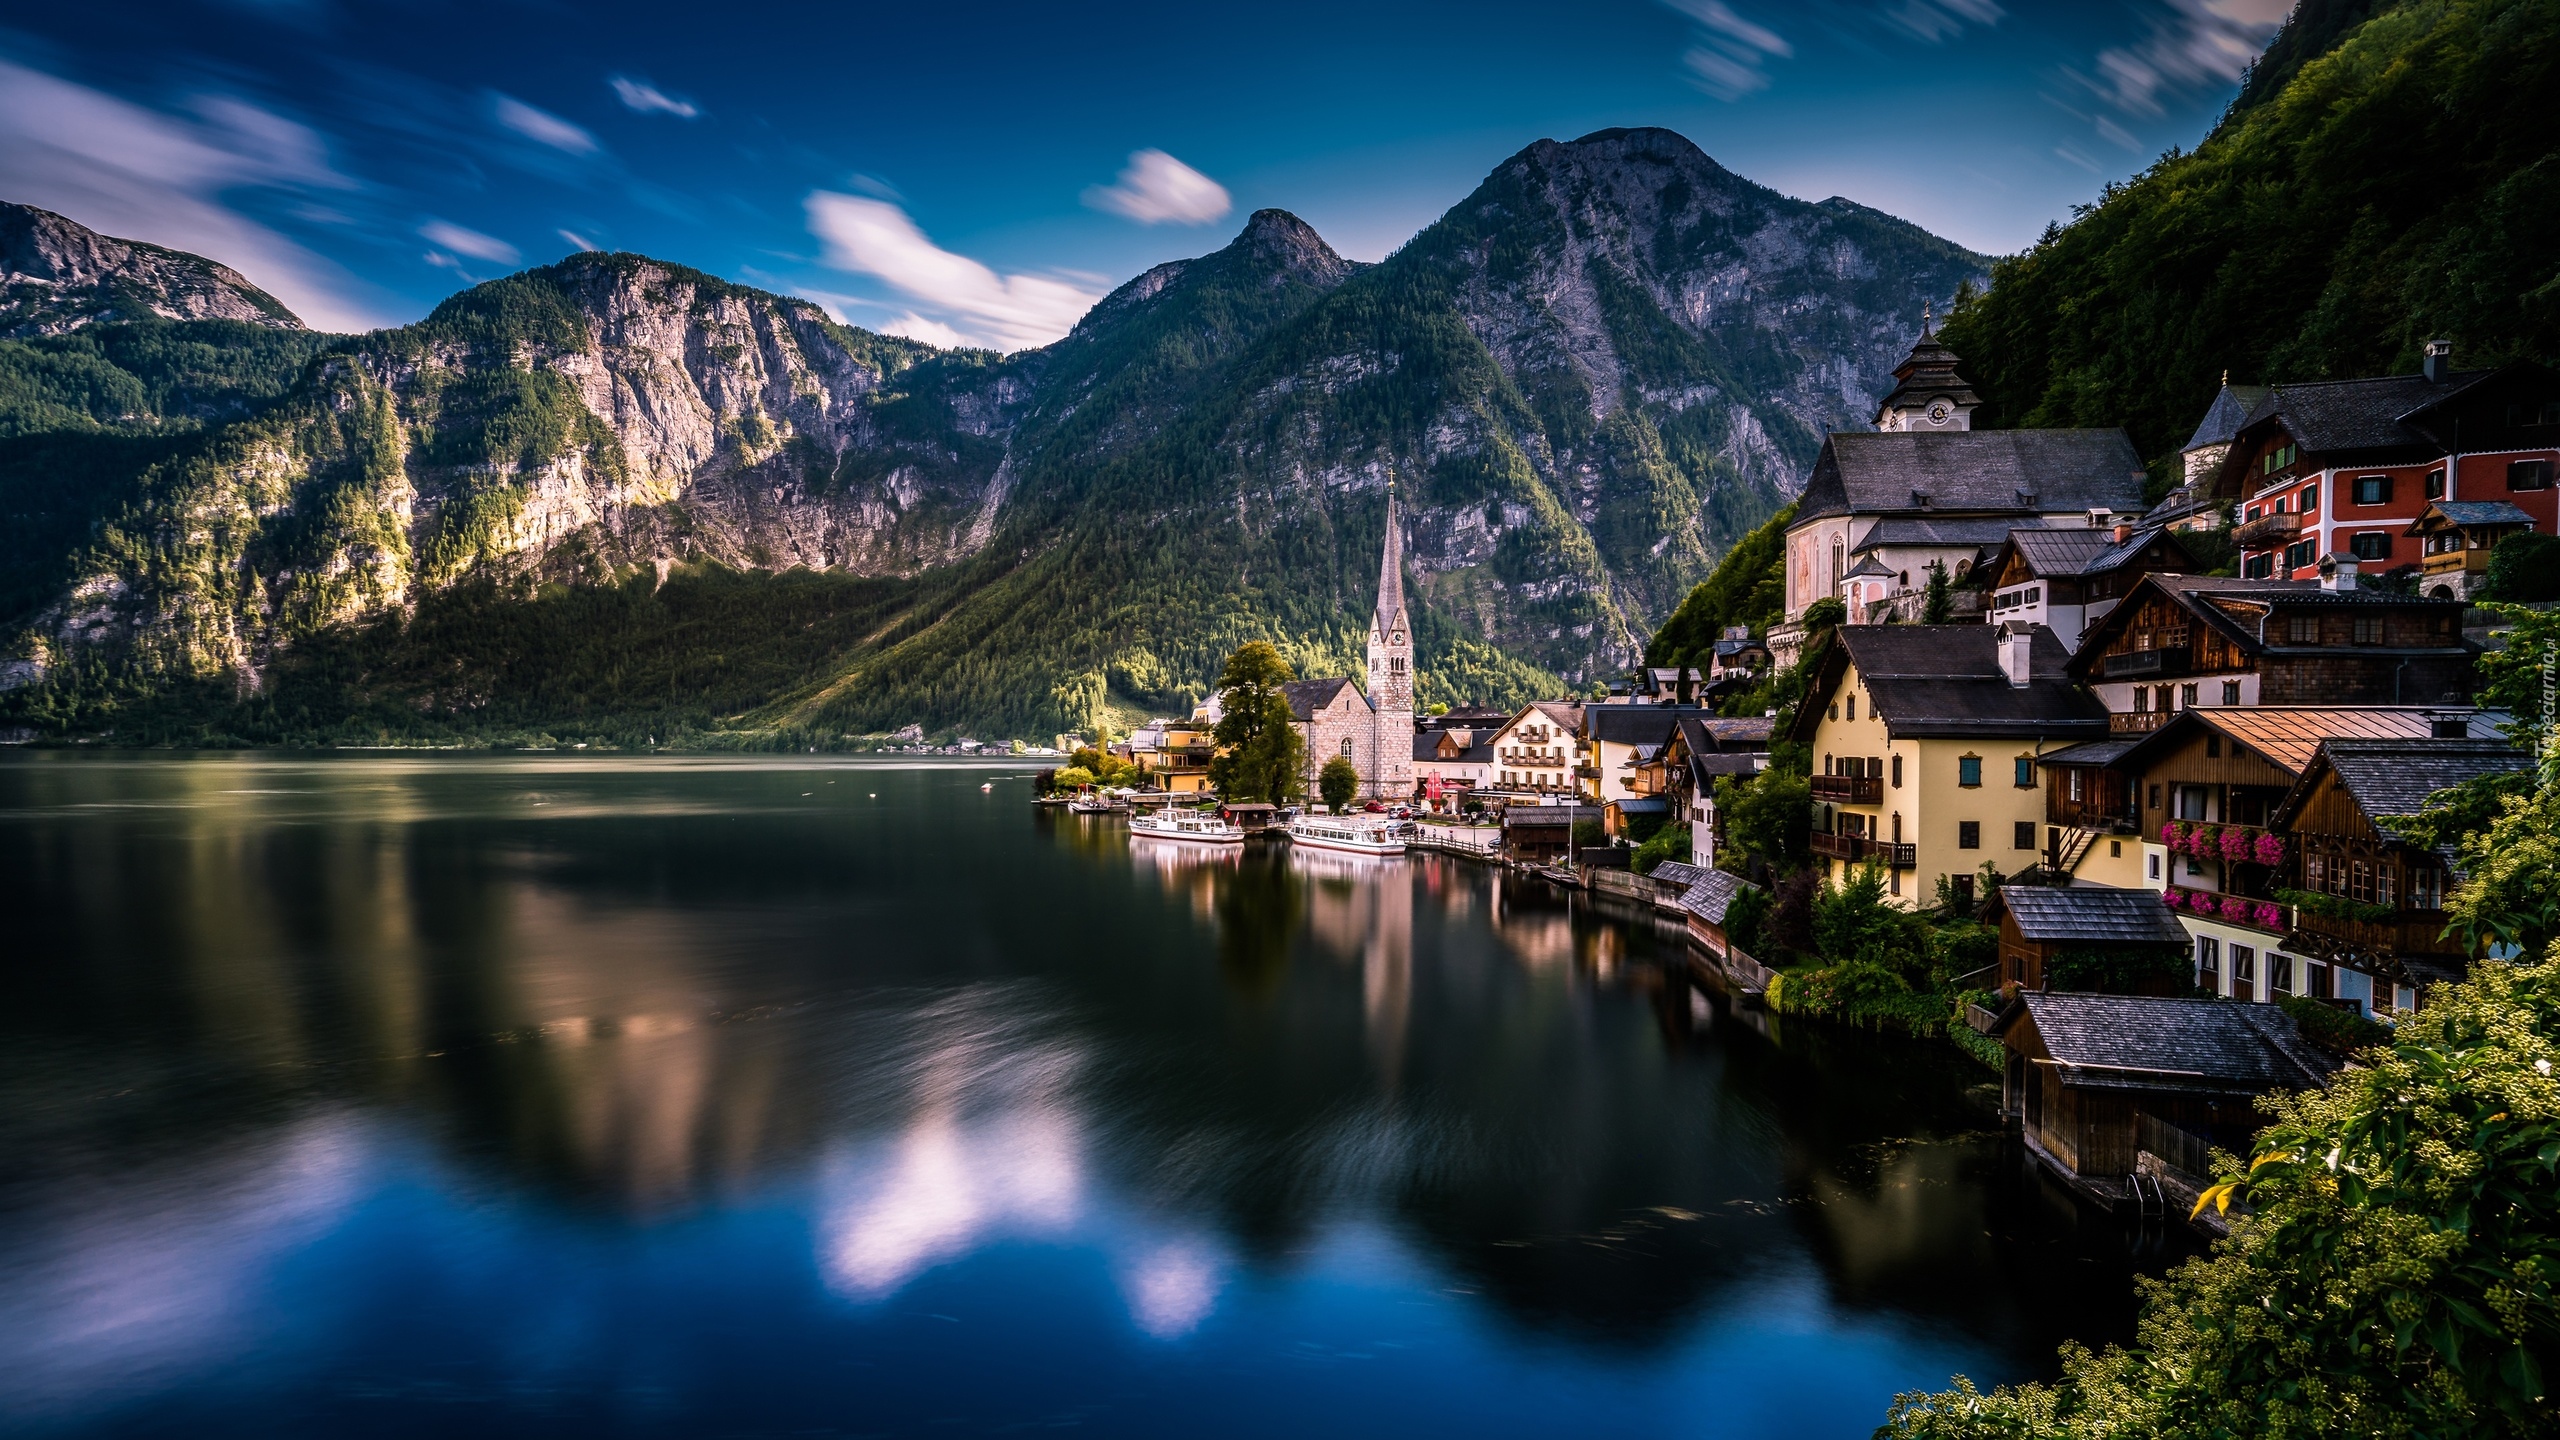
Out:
{"x": 1389, "y": 774}
{"x": 1390, "y": 571}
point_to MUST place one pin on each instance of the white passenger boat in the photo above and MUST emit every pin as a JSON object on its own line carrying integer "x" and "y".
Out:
{"x": 1094, "y": 805}
{"x": 1351, "y": 834}
{"x": 1197, "y": 826}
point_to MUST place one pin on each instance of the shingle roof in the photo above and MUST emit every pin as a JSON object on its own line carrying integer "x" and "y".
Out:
{"x": 1679, "y": 873}
{"x": 1982, "y": 532}
{"x": 2021, "y": 471}
{"x": 2229, "y": 411}
{"x": 2290, "y": 736}
{"x": 2092, "y": 752}
{"x": 1426, "y": 746}
{"x": 1752, "y": 732}
{"x": 2234, "y": 607}
{"x": 2340, "y": 415}
{"x": 1636, "y": 724}
{"x": 2057, "y": 554}
{"x": 1640, "y": 805}
{"x": 2092, "y": 914}
{"x": 1306, "y": 697}
{"x": 2473, "y": 512}
{"x": 2137, "y": 1042}
{"x": 1946, "y": 680}
{"x": 1712, "y": 894}
{"x": 2395, "y": 777}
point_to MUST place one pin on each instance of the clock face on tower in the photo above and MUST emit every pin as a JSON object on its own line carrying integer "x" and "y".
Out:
{"x": 1939, "y": 410}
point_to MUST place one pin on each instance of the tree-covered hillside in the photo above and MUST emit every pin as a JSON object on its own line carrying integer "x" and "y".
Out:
{"x": 2390, "y": 174}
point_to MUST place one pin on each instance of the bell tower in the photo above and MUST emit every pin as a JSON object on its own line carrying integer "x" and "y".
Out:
{"x": 1928, "y": 394}
{"x": 1390, "y": 771}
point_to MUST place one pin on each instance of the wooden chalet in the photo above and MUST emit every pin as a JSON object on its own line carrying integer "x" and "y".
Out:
{"x": 2379, "y": 903}
{"x": 2067, "y": 579}
{"x": 1684, "y": 769}
{"x": 2454, "y": 540}
{"x": 2184, "y": 642}
{"x": 2091, "y": 1077}
{"x": 2039, "y": 922}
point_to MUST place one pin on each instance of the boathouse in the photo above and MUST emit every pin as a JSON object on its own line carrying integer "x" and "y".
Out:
{"x": 2083, "y": 932}
{"x": 2089, "y": 1075}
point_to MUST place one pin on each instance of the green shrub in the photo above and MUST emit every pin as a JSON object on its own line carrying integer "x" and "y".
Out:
{"x": 1668, "y": 842}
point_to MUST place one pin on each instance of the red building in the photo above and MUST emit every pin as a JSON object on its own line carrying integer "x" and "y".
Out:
{"x": 2348, "y": 467}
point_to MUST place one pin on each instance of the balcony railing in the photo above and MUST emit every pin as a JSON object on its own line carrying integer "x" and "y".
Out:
{"x": 2134, "y": 664}
{"x": 2451, "y": 561}
{"x": 2267, "y": 531}
{"x": 1849, "y": 789}
{"x": 1859, "y": 848}
{"x": 2409, "y": 935}
{"x": 2137, "y": 722}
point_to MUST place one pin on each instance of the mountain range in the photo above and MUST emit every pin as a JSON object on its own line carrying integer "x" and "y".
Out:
{"x": 614, "y": 496}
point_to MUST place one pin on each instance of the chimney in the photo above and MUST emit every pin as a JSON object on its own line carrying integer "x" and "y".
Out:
{"x": 2124, "y": 531}
{"x": 2438, "y": 366}
{"x": 2017, "y": 640}
{"x": 2337, "y": 572}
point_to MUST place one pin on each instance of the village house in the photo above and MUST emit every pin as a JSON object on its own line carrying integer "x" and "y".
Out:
{"x": 1613, "y": 736}
{"x": 2042, "y": 924}
{"x": 1703, "y": 905}
{"x": 1174, "y": 755}
{"x": 2183, "y": 642}
{"x": 2359, "y": 897}
{"x": 2455, "y": 538}
{"x": 1926, "y": 741}
{"x": 1373, "y": 729}
{"x": 1684, "y": 769}
{"x": 2187, "y": 812}
{"x": 1537, "y": 750}
{"x": 1926, "y": 487}
{"x": 1453, "y": 752}
{"x": 2065, "y": 579}
{"x": 2098, "y": 1080}
{"x": 2345, "y": 467}
{"x": 2194, "y": 505}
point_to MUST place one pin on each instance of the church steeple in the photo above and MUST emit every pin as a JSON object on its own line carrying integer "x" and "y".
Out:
{"x": 1928, "y": 394}
{"x": 1390, "y": 771}
{"x": 1390, "y": 613}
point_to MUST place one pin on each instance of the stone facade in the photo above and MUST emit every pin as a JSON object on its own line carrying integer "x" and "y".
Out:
{"x": 1335, "y": 717}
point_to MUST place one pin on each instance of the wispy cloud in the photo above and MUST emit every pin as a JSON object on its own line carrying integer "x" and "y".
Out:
{"x": 141, "y": 174}
{"x": 644, "y": 97}
{"x": 1933, "y": 21}
{"x": 581, "y": 241}
{"x": 2189, "y": 45}
{"x": 469, "y": 242}
{"x": 1156, "y": 188}
{"x": 541, "y": 126}
{"x": 1730, "y": 49}
{"x": 958, "y": 300}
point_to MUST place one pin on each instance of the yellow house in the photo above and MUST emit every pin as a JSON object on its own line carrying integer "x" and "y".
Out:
{"x": 1175, "y": 754}
{"x": 1924, "y": 741}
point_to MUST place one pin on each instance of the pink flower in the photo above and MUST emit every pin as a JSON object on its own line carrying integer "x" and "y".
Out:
{"x": 2270, "y": 850}
{"x": 2177, "y": 898}
{"x": 2169, "y": 834}
{"x": 2270, "y": 918}
{"x": 2235, "y": 908}
{"x": 2236, "y": 845}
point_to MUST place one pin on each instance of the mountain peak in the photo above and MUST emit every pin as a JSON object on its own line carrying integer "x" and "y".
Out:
{"x": 1292, "y": 244}
{"x": 57, "y": 275}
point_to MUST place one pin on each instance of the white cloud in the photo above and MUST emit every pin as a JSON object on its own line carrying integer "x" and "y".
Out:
{"x": 1725, "y": 62}
{"x": 139, "y": 174}
{"x": 1933, "y": 21}
{"x": 956, "y": 295}
{"x": 644, "y": 97}
{"x": 469, "y": 242}
{"x": 581, "y": 241}
{"x": 2192, "y": 44}
{"x": 1156, "y": 188}
{"x": 541, "y": 126}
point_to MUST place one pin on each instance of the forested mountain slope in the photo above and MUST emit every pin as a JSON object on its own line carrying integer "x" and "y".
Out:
{"x": 2390, "y": 174}
{"x": 572, "y": 498}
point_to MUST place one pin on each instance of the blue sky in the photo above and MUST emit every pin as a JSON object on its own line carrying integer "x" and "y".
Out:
{"x": 980, "y": 173}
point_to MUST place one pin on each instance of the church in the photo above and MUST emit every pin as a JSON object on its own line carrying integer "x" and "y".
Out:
{"x": 1375, "y": 729}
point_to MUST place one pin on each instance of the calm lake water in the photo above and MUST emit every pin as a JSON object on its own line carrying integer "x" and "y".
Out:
{"x": 551, "y": 1094}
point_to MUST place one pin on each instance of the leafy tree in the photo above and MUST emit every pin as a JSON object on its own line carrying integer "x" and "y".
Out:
{"x": 1670, "y": 842}
{"x": 2524, "y": 568}
{"x": 1768, "y": 822}
{"x": 1938, "y": 603}
{"x": 1260, "y": 755}
{"x": 1745, "y": 918}
{"x": 2508, "y": 895}
{"x": 1822, "y": 617}
{"x": 1073, "y": 777}
{"x": 1853, "y": 924}
{"x": 2397, "y": 1275}
{"x": 1338, "y": 781}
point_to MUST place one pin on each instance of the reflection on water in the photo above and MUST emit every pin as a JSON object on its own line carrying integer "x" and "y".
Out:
{"x": 685, "y": 1095}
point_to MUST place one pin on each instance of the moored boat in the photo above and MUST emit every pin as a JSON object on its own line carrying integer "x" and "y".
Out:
{"x": 1196, "y": 826}
{"x": 1094, "y": 805}
{"x": 1351, "y": 834}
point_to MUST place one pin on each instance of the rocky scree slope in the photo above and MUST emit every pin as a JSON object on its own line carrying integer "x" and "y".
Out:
{"x": 1589, "y": 377}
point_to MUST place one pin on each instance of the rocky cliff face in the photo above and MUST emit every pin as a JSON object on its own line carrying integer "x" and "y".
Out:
{"x": 57, "y": 276}
{"x": 1590, "y": 376}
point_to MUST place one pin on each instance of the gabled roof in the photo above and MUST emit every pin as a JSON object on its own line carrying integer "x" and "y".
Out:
{"x": 2387, "y": 778}
{"x": 2137, "y": 1042}
{"x": 1306, "y": 697}
{"x": 2353, "y": 415}
{"x": 2232, "y": 606}
{"x": 1946, "y": 680}
{"x": 1712, "y": 894}
{"x": 2289, "y": 735}
{"x": 1479, "y": 750}
{"x": 1679, "y": 874}
{"x": 2071, "y": 554}
{"x": 1979, "y": 471}
{"x": 2467, "y": 513}
{"x": 1741, "y": 732}
{"x": 1982, "y": 532}
{"x": 2229, "y": 411}
{"x": 2093, "y": 752}
{"x": 2091, "y": 914}
{"x": 1636, "y": 724}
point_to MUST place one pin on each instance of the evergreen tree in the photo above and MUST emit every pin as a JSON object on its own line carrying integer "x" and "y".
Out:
{"x": 1938, "y": 606}
{"x": 1260, "y": 756}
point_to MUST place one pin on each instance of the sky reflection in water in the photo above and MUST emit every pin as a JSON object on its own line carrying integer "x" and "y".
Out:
{"x": 685, "y": 1096}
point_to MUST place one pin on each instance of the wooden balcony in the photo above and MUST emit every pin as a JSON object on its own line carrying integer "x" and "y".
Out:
{"x": 1858, "y": 849}
{"x": 2136, "y": 722}
{"x": 1849, "y": 789}
{"x": 2268, "y": 532}
{"x": 2455, "y": 562}
{"x": 2141, "y": 664}
{"x": 2414, "y": 933}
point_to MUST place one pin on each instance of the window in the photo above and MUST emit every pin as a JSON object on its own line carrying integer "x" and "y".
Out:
{"x": 2230, "y": 692}
{"x": 2208, "y": 963}
{"x": 2307, "y": 499}
{"x": 2368, "y": 629}
{"x": 2426, "y": 890}
{"x": 2187, "y": 696}
{"x": 2155, "y": 797}
{"x": 2386, "y": 880}
{"x": 2154, "y": 866}
{"x": 2373, "y": 489}
{"x": 2317, "y": 982}
{"x": 2279, "y": 973}
{"x": 2435, "y": 483}
{"x": 2073, "y": 780}
{"x": 1969, "y": 770}
{"x": 1897, "y": 772}
{"x": 1346, "y": 745}
{"x": 2360, "y": 881}
{"x": 2244, "y": 968}
{"x": 1968, "y": 834}
{"x": 1834, "y": 711}
{"x": 2528, "y": 474}
{"x": 2299, "y": 554}
{"x": 1395, "y": 664}
{"x": 2115, "y": 849}
{"x": 2304, "y": 629}
{"x": 2278, "y": 458}
{"x": 2141, "y": 699}
{"x": 2371, "y": 545}
{"x": 2025, "y": 778}
{"x": 2259, "y": 567}
{"x": 1850, "y": 708}
{"x": 2022, "y": 835}
{"x": 2213, "y": 745}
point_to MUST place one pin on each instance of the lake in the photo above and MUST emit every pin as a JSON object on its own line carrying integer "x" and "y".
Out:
{"x": 556, "y": 1094}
